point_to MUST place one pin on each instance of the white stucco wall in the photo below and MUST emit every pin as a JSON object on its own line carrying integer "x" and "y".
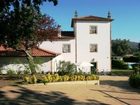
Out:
{"x": 84, "y": 39}
{"x": 56, "y": 46}
{"x": 102, "y": 39}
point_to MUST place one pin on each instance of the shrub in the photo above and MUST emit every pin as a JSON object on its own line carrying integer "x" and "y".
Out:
{"x": 33, "y": 79}
{"x": 94, "y": 77}
{"x": 65, "y": 78}
{"x": 131, "y": 59}
{"x": 44, "y": 79}
{"x": 11, "y": 74}
{"x": 134, "y": 80}
{"x": 49, "y": 77}
{"x": 66, "y": 68}
{"x": 26, "y": 79}
{"x": 55, "y": 78}
{"x": 121, "y": 72}
{"x": 26, "y": 71}
{"x": 118, "y": 64}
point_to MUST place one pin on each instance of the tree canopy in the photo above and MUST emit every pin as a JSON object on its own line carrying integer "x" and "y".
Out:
{"x": 23, "y": 26}
{"x": 120, "y": 47}
{"x": 5, "y": 5}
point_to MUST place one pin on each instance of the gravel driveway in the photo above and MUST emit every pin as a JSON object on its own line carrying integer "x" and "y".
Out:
{"x": 113, "y": 90}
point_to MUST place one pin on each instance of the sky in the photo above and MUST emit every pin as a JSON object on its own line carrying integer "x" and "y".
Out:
{"x": 126, "y": 15}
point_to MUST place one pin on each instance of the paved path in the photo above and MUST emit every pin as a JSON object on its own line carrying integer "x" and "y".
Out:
{"x": 114, "y": 90}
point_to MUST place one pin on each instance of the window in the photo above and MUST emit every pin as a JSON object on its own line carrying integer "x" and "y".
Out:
{"x": 93, "y": 30}
{"x": 66, "y": 48}
{"x": 93, "y": 47}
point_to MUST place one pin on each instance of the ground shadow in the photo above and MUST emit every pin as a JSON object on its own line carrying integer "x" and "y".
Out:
{"x": 29, "y": 97}
{"x": 120, "y": 84}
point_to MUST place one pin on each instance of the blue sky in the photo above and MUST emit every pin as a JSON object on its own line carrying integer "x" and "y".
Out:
{"x": 126, "y": 14}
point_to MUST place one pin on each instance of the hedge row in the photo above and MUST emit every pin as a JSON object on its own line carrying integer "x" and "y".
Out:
{"x": 57, "y": 78}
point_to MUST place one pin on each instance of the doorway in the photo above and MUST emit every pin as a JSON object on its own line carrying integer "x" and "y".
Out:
{"x": 94, "y": 67}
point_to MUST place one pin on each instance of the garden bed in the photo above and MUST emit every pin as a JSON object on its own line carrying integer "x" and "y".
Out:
{"x": 92, "y": 82}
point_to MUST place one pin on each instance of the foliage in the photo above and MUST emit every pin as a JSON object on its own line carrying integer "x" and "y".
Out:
{"x": 22, "y": 19}
{"x": 33, "y": 79}
{"x": 66, "y": 68}
{"x": 5, "y": 4}
{"x": 121, "y": 72}
{"x": 57, "y": 78}
{"x": 118, "y": 64}
{"x": 121, "y": 47}
{"x": 26, "y": 79}
{"x": 11, "y": 74}
{"x": 139, "y": 46}
{"x": 131, "y": 59}
{"x": 134, "y": 80}
{"x": 27, "y": 71}
{"x": 44, "y": 79}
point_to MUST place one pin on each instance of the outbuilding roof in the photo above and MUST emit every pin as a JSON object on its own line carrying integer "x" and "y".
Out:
{"x": 35, "y": 52}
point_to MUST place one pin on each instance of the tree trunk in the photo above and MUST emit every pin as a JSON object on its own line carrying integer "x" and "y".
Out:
{"x": 31, "y": 63}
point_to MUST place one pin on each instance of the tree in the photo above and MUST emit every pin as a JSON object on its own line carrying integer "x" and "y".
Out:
{"x": 139, "y": 46}
{"x": 5, "y": 4}
{"x": 23, "y": 26}
{"x": 121, "y": 47}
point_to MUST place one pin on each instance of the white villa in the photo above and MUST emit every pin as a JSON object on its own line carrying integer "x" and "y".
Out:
{"x": 90, "y": 41}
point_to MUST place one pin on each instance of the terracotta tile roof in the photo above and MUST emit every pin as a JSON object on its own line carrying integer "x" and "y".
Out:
{"x": 90, "y": 18}
{"x": 42, "y": 52}
{"x": 36, "y": 52}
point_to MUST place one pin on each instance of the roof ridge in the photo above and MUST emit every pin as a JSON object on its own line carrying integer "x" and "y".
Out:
{"x": 91, "y": 16}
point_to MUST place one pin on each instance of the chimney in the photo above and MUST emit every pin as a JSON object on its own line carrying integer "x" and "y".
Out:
{"x": 109, "y": 15}
{"x": 59, "y": 31}
{"x": 75, "y": 14}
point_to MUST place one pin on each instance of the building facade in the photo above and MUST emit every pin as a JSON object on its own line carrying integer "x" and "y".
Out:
{"x": 90, "y": 41}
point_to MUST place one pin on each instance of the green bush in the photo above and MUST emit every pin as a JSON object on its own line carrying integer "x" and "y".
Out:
{"x": 121, "y": 72}
{"x": 131, "y": 59}
{"x": 134, "y": 80}
{"x": 65, "y": 78}
{"x": 33, "y": 79}
{"x": 118, "y": 64}
{"x": 11, "y": 74}
{"x": 56, "y": 77}
{"x": 38, "y": 78}
{"x": 66, "y": 68}
{"x": 49, "y": 77}
{"x": 26, "y": 79}
{"x": 44, "y": 79}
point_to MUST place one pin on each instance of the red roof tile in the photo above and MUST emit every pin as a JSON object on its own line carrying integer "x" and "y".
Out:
{"x": 36, "y": 52}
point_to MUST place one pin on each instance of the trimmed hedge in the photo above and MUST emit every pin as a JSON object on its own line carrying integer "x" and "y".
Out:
{"x": 57, "y": 78}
